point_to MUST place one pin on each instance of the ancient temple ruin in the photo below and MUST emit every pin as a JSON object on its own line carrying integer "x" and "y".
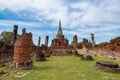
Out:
{"x": 40, "y": 52}
{"x": 15, "y": 30}
{"x": 39, "y": 41}
{"x": 75, "y": 42}
{"x": 22, "y": 51}
{"x": 92, "y": 40}
{"x": 109, "y": 49}
{"x": 23, "y": 31}
{"x": 60, "y": 45}
{"x": 89, "y": 44}
{"x": 86, "y": 44}
{"x": 46, "y": 41}
{"x": 107, "y": 66}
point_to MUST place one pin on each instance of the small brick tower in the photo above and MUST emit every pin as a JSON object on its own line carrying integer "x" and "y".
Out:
{"x": 46, "y": 41}
{"x": 23, "y": 31}
{"x": 22, "y": 51}
{"x": 92, "y": 39}
{"x": 75, "y": 42}
{"x": 15, "y": 33}
{"x": 39, "y": 41}
{"x": 60, "y": 45}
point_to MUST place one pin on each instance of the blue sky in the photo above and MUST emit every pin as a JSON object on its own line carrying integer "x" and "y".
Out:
{"x": 81, "y": 17}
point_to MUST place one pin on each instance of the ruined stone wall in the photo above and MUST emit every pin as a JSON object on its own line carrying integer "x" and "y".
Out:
{"x": 99, "y": 52}
{"x": 114, "y": 47}
{"x": 61, "y": 52}
{"x": 22, "y": 51}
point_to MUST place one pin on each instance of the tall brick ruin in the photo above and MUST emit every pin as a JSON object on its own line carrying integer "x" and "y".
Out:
{"x": 23, "y": 31}
{"x": 39, "y": 41}
{"x": 36, "y": 55}
{"x": 75, "y": 42}
{"x": 15, "y": 32}
{"x": 15, "y": 29}
{"x": 93, "y": 40}
{"x": 46, "y": 41}
{"x": 22, "y": 51}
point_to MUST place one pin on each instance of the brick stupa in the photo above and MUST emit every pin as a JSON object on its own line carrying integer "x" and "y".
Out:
{"x": 60, "y": 45}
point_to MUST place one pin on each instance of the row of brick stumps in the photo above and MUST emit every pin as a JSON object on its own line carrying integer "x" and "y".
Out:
{"x": 22, "y": 51}
{"x": 41, "y": 50}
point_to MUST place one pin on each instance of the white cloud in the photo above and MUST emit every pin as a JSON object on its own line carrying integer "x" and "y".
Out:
{"x": 23, "y": 23}
{"x": 49, "y": 10}
{"x": 93, "y": 13}
{"x": 100, "y": 15}
{"x": 86, "y": 13}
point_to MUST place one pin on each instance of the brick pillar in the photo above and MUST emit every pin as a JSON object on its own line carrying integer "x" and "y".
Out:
{"x": 15, "y": 29}
{"x": 22, "y": 52}
{"x": 75, "y": 42}
{"x": 46, "y": 40}
{"x": 23, "y": 31}
{"x": 39, "y": 41}
{"x": 92, "y": 39}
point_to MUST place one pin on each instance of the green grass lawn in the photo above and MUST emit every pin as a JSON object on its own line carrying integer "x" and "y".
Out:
{"x": 63, "y": 68}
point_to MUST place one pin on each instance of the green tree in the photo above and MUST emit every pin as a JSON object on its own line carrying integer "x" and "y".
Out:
{"x": 6, "y": 37}
{"x": 117, "y": 39}
{"x": 80, "y": 45}
{"x": 71, "y": 44}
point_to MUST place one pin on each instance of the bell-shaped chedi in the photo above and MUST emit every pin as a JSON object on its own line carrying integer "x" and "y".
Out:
{"x": 60, "y": 45}
{"x": 22, "y": 51}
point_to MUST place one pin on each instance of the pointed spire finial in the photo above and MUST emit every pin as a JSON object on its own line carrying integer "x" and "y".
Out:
{"x": 59, "y": 23}
{"x": 59, "y": 34}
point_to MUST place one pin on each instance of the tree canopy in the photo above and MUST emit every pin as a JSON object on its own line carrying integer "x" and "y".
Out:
{"x": 117, "y": 39}
{"x": 6, "y": 37}
{"x": 80, "y": 45}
